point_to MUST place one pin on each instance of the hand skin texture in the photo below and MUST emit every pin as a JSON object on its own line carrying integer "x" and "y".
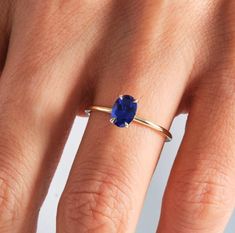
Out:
{"x": 59, "y": 56}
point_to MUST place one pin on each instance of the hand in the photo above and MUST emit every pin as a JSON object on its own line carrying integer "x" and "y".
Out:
{"x": 58, "y": 57}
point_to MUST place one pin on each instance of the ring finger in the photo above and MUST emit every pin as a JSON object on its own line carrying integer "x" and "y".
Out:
{"x": 111, "y": 173}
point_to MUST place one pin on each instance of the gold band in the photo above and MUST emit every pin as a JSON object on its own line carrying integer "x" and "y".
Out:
{"x": 137, "y": 119}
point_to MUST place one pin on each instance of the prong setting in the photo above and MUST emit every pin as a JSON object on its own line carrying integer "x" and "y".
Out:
{"x": 126, "y": 125}
{"x": 88, "y": 112}
{"x": 136, "y": 101}
{"x": 121, "y": 97}
{"x": 112, "y": 120}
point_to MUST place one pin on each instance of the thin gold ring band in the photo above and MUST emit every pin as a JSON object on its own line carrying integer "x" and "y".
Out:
{"x": 136, "y": 119}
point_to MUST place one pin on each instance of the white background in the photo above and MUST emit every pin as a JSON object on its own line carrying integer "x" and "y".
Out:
{"x": 150, "y": 214}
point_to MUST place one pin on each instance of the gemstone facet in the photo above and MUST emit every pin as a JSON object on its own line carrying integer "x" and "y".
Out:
{"x": 123, "y": 111}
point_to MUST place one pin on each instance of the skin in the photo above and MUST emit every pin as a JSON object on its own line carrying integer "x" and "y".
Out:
{"x": 58, "y": 57}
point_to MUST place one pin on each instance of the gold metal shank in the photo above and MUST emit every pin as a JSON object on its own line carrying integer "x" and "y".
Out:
{"x": 136, "y": 119}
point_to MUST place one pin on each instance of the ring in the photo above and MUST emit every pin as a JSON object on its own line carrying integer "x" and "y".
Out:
{"x": 123, "y": 113}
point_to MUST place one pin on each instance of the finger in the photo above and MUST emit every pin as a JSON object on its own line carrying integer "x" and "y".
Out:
{"x": 110, "y": 176}
{"x": 113, "y": 167}
{"x": 39, "y": 94}
{"x": 200, "y": 194}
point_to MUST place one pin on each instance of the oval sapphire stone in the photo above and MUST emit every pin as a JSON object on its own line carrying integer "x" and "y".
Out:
{"x": 124, "y": 110}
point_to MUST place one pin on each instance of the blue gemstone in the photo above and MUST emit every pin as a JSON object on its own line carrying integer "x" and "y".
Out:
{"x": 124, "y": 110}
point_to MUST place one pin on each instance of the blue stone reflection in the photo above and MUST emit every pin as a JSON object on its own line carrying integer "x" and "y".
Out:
{"x": 124, "y": 110}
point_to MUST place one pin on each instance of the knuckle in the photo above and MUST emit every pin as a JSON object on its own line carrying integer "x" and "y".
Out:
{"x": 99, "y": 202}
{"x": 9, "y": 202}
{"x": 13, "y": 186}
{"x": 203, "y": 193}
